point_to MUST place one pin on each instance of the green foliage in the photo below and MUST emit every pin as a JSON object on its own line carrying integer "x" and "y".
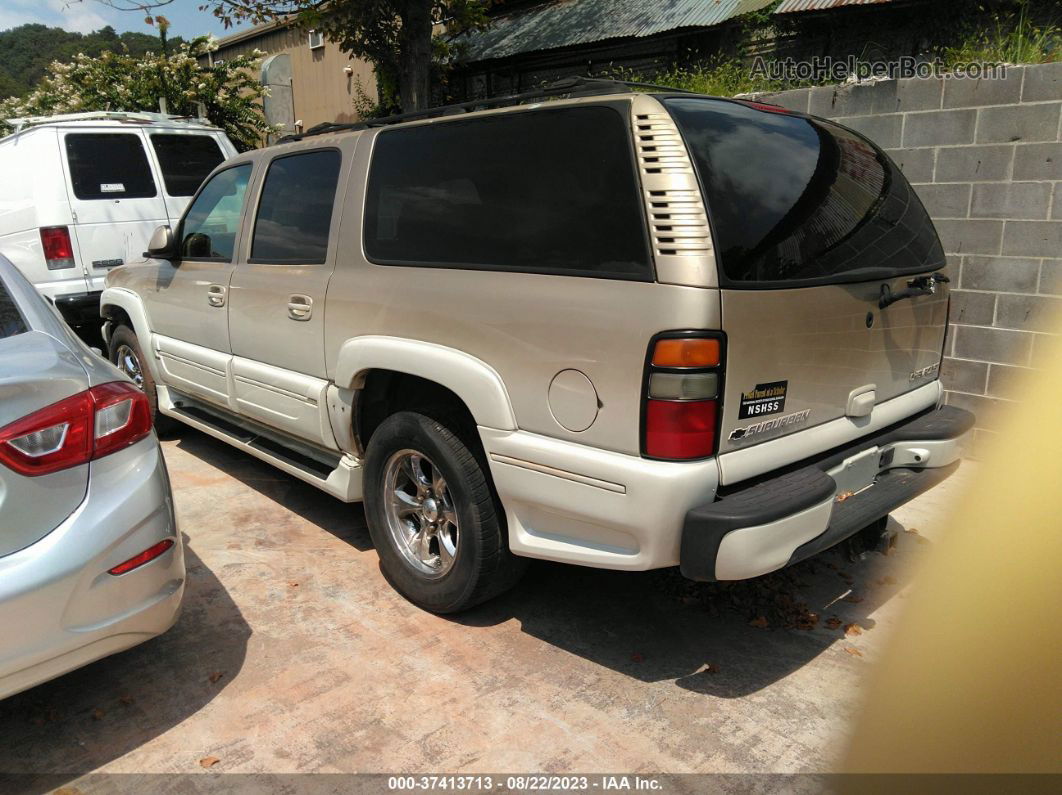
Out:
{"x": 718, "y": 76}
{"x": 1010, "y": 35}
{"x": 26, "y": 51}
{"x": 229, "y": 92}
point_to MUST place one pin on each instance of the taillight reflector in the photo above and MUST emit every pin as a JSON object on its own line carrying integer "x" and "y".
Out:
{"x": 58, "y": 251}
{"x": 686, "y": 352}
{"x": 146, "y": 556}
{"x": 83, "y": 427}
{"x": 680, "y": 429}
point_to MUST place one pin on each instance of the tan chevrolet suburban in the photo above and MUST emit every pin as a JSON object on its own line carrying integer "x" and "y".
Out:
{"x": 618, "y": 329}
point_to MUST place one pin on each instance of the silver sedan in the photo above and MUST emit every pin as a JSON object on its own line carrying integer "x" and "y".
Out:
{"x": 91, "y": 562}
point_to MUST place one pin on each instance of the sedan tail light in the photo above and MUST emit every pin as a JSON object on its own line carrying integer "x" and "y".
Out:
{"x": 682, "y": 393}
{"x": 58, "y": 251}
{"x": 81, "y": 428}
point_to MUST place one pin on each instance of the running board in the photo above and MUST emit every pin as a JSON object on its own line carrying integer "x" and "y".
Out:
{"x": 336, "y": 473}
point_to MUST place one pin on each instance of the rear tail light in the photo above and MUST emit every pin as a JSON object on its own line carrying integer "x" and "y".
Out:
{"x": 683, "y": 388}
{"x": 81, "y": 428}
{"x": 58, "y": 252}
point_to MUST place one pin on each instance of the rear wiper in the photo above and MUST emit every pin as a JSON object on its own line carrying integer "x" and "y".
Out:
{"x": 923, "y": 285}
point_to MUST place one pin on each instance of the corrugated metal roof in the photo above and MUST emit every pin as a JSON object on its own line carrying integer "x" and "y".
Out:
{"x": 569, "y": 22}
{"x": 788, "y": 6}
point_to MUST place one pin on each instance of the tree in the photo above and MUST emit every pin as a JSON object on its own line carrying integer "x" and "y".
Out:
{"x": 396, "y": 36}
{"x": 228, "y": 92}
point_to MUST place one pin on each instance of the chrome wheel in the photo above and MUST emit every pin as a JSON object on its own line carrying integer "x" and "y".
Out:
{"x": 127, "y": 361}
{"x": 421, "y": 516}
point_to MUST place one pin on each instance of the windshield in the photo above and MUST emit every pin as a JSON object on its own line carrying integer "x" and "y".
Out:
{"x": 795, "y": 199}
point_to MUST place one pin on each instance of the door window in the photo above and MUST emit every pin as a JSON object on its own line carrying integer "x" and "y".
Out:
{"x": 210, "y": 226}
{"x": 186, "y": 160}
{"x": 109, "y": 166}
{"x": 549, "y": 191}
{"x": 295, "y": 211}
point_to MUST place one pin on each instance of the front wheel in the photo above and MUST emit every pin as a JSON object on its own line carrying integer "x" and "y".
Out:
{"x": 432, "y": 516}
{"x": 127, "y": 355}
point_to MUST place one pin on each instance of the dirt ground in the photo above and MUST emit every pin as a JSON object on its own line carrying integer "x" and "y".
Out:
{"x": 294, "y": 655}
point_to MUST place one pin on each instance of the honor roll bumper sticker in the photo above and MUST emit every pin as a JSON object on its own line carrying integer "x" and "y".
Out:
{"x": 763, "y": 399}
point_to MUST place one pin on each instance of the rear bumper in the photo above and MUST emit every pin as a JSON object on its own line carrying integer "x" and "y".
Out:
{"x": 761, "y": 527}
{"x": 60, "y": 608}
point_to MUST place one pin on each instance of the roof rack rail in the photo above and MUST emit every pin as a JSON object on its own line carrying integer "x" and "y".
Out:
{"x": 572, "y": 86}
{"x": 134, "y": 116}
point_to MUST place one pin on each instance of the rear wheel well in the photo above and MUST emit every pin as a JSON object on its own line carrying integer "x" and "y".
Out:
{"x": 386, "y": 392}
{"x": 115, "y": 316}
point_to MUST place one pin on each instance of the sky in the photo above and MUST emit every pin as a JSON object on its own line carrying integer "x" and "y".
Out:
{"x": 87, "y": 15}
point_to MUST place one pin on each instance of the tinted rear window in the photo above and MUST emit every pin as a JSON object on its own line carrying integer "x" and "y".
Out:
{"x": 185, "y": 160}
{"x": 109, "y": 166}
{"x": 295, "y": 211}
{"x": 551, "y": 191}
{"x": 794, "y": 199}
{"x": 11, "y": 320}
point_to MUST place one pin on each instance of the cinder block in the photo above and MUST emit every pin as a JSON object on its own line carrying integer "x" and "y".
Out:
{"x": 1007, "y": 274}
{"x": 1038, "y": 161}
{"x": 946, "y": 201}
{"x": 1022, "y": 200}
{"x": 797, "y": 99}
{"x": 972, "y": 309}
{"x": 916, "y": 164}
{"x": 1001, "y": 346}
{"x": 822, "y": 102}
{"x": 1029, "y": 312}
{"x": 1033, "y": 238}
{"x": 1056, "y": 202}
{"x": 1051, "y": 277}
{"x": 1009, "y": 382}
{"x": 1043, "y": 82}
{"x": 964, "y": 376}
{"x": 971, "y": 93}
{"x": 850, "y": 99}
{"x": 882, "y": 130}
{"x": 939, "y": 128}
{"x": 988, "y": 410}
{"x": 1044, "y": 351}
{"x": 1019, "y": 123}
{"x": 973, "y": 163}
{"x": 970, "y": 237}
{"x": 915, "y": 94}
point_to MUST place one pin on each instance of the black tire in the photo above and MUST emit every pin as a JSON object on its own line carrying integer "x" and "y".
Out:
{"x": 125, "y": 336}
{"x": 482, "y": 566}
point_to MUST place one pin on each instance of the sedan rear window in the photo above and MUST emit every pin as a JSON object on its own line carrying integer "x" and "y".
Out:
{"x": 109, "y": 166}
{"x": 798, "y": 201}
{"x": 186, "y": 160}
{"x": 11, "y": 320}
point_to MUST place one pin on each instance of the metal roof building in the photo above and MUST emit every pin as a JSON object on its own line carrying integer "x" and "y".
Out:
{"x": 789, "y": 6}
{"x": 569, "y": 23}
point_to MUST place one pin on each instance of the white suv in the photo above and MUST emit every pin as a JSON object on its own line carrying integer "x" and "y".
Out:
{"x": 84, "y": 191}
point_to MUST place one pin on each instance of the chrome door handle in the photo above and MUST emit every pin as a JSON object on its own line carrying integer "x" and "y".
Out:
{"x": 300, "y": 307}
{"x": 216, "y": 295}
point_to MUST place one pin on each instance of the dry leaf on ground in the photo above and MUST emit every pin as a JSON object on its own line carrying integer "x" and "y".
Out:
{"x": 852, "y": 630}
{"x": 208, "y": 761}
{"x": 853, "y": 598}
{"x": 833, "y": 622}
{"x": 214, "y": 677}
{"x": 853, "y": 651}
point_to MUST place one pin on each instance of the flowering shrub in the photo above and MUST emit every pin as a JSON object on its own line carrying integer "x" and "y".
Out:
{"x": 229, "y": 91}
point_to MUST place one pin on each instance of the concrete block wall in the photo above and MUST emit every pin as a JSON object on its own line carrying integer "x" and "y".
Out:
{"x": 985, "y": 156}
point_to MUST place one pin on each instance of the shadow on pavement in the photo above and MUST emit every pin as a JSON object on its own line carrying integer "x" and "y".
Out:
{"x": 657, "y": 626}
{"x": 87, "y": 718}
{"x": 346, "y": 522}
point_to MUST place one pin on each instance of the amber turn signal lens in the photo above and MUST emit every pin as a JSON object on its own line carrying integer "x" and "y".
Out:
{"x": 686, "y": 352}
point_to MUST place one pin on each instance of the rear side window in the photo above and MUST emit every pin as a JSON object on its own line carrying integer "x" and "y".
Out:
{"x": 210, "y": 226}
{"x": 109, "y": 166}
{"x": 797, "y": 201}
{"x": 186, "y": 160}
{"x": 295, "y": 211}
{"x": 549, "y": 191}
{"x": 11, "y": 320}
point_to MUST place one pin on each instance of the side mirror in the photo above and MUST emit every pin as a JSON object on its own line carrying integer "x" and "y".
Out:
{"x": 162, "y": 245}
